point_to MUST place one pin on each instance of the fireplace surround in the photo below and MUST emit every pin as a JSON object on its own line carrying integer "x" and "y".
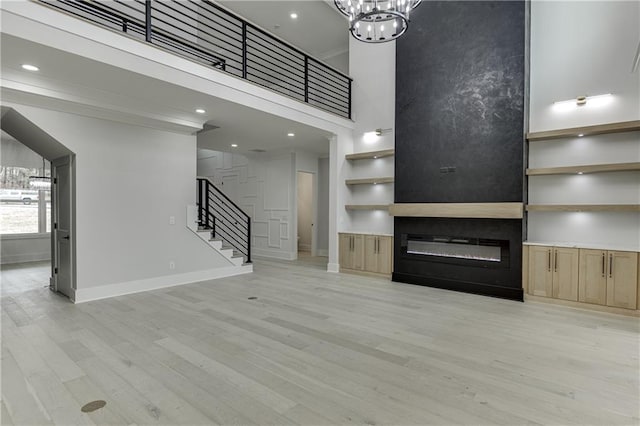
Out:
{"x": 486, "y": 260}
{"x": 459, "y": 141}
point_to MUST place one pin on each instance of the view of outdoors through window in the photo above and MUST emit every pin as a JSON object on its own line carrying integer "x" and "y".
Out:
{"x": 24, "y": 208}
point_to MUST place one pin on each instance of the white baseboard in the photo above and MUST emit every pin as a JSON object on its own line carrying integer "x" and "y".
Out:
{"x": 333, "y": 267}
{"x": 24, "y": 258}
{"x": 322, "y": 252}
{"x": 82, "y": 295}
{"x": 272, "y": 254}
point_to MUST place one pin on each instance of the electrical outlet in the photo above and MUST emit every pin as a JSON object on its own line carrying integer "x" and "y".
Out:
{"x": 172, "y": 265}
{"x": 172, "y": 220}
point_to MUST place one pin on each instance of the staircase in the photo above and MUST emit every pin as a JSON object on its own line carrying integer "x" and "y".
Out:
{"x": 220, "y": 223}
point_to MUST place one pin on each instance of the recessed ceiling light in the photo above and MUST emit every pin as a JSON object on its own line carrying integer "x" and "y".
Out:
{"x": 580, "y": 135}
{"x": 580, "y": 173}
{"x": 294, "y": 15}
{"x": 30, "y": 67}
{"x": 200, "y": 111}
{"x": 291, "y": 134}
{"x": 234, "y": 145}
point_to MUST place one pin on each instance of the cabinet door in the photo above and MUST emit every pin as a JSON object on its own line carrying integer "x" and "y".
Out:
{"x": 385, "y": 255}
{"x": 345, "y": 251}
{"x": 371, "y": 253}
{"x": 358, "y": 252}
{"x": 540, "y": 275}
{"x": 592, "y": 278}
{"x": 565, "y": 273}
{"x": 622, "y": 279}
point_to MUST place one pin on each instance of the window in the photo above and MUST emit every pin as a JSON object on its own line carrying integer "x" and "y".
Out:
{"x": 24, "y": 209}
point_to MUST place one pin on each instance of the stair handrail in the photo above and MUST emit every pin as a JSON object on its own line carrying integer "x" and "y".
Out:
{"x": 204, "y": 209}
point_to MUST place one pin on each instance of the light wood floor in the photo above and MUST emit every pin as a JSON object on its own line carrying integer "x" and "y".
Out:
{"x": 316, "y": 349}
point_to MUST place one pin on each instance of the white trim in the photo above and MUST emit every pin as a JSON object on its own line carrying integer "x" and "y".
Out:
{"x": 333, "y": 267}
{"x": 24, "y": 258}
{"x": 82, "y": 295}
{"x": 322, "y": 252}
{"x": 272, "y": 254}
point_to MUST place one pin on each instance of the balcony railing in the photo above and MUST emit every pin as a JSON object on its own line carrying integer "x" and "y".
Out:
{"x": 209, "y": 34}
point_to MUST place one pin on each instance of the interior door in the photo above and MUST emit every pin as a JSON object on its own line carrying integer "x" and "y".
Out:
{"x": 62, "y": 228}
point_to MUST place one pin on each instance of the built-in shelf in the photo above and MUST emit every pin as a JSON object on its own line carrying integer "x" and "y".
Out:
{"x": 593, "y": 168}
{"x": 462, "y": 210}
{"x": 599, "y": 129}
{"x": 583, "y": 207}
{"x": 369, "y": 181}
{"x": 366, "y": 207}
{"x": 371, "y": 155}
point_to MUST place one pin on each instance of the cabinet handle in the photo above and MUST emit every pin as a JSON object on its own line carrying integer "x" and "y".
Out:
{"x": 377, "y": 245}
{"x": 603, "y": 262}
{"x": 549, "y": 262}
{"x": 555, "y": 260}
{"x": 611, "y": 265}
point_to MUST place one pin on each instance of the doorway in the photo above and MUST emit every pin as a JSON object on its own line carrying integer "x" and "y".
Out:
{"x": 306, "y": 200}
{"x": 61, "y": 240}
{"x": 62, "y": 244}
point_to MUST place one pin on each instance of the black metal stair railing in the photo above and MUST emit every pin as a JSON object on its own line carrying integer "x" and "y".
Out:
{"x": 223, "y": 218}
{"x": 209, "y": 34}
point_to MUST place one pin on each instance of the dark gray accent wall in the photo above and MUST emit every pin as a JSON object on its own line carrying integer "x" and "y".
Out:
{"x": 460, "y": 103}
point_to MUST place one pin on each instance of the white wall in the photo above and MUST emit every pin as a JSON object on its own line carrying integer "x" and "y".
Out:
{"x": 372, "y": 67}
{"x": 129, "y": 181}
{"x": 264, "y": 187}
{"x": 584, "y": 48}
{"x": 322, "y": 221}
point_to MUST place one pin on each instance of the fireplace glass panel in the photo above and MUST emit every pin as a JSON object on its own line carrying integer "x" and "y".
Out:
{"x": 459, "y": 251}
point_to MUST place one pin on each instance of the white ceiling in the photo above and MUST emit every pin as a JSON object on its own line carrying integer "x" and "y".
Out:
{"x": 320, "y": 30}
{"x": 68, "y": 76}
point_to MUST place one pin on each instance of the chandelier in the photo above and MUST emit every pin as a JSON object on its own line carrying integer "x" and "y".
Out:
{"x": 377, "y": 21}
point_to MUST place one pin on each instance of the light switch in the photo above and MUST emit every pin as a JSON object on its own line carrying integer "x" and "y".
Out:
{"x": 172, "y": 220}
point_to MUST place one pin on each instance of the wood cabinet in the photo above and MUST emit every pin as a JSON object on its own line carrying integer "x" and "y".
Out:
{"x": 592, "y": 286}
{"x": 351, "y": 251}
{"x": 540, "y": 274}
{"x": 377, "y": 254}
{"x": 553, "y": 272}
{"x": 366, "y": 253}
{"x": 590, "y": 276}
{"x": 565, "y": 273}
{"x": 622, "y": 279}
{"x": 609, "y": 278}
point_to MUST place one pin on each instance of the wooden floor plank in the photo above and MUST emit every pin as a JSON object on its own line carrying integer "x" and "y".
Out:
{"x": 314, "y": 348}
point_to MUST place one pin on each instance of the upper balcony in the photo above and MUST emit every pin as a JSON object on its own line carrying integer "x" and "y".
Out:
{"x": 206, "y": 33}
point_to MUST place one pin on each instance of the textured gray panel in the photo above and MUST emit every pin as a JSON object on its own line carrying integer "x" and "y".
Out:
{"x": 460, "y": 102}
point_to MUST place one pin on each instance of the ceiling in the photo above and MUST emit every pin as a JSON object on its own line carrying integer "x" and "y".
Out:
{"x": 320, "y": 30}
{"x": 66, "y": 76}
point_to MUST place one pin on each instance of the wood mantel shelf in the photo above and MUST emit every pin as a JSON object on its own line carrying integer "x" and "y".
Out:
{"x": 366, "y": 206}
{"x": 371, "y": 155}
{"x": 599, "y": 129}
{"x": 591, "y": 168}
{"x": 583, "y": 207}
{"x": 459, "y": 210}
{"x": 370, "y": 181}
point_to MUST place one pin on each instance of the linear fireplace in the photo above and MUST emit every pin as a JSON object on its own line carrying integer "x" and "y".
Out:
{"x": 483, "y": 252}
{"x": 482, "y": 256}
